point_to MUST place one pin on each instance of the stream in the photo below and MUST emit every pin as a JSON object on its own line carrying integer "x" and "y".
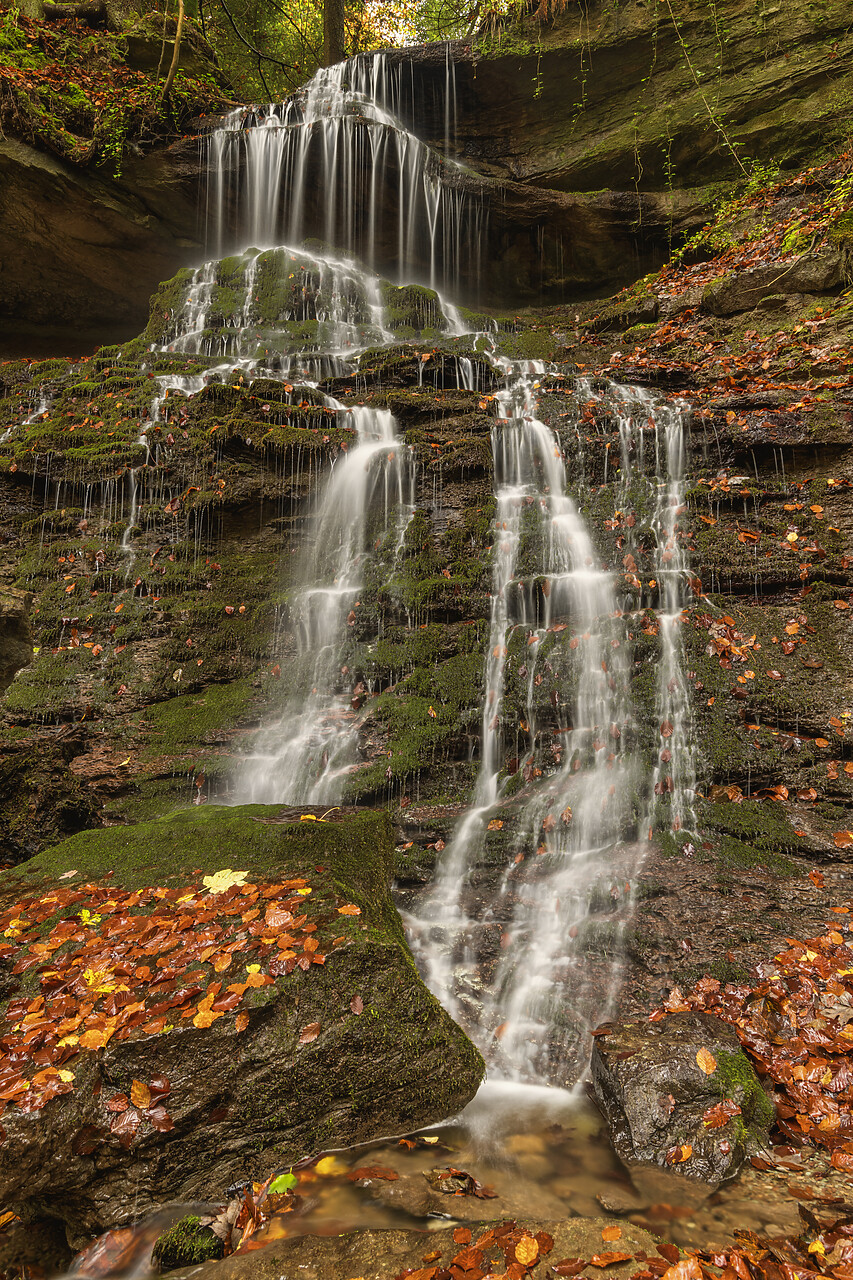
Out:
{"x": 325, "y": 192}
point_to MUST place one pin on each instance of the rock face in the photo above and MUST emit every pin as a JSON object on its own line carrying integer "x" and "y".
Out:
{"x": 16, "y": 638}
{"x": 680, "y": 1093}
{"x": 84, "y": 252}
{"x": 336, "y": 1039}
{"x": 588, "y": 138}
{"x": 811, "y": 273}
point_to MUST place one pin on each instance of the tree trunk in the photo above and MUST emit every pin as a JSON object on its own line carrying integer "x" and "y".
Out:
{"x": 333, "y": 32}
{"x": 176, "y": 53}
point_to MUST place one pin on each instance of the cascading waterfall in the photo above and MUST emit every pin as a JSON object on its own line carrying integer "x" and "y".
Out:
{"x": 307, "y": 755}
{"x": 242, "y": 313}
{"x": 335, "y": 162}
{"x": 546, "y": 991}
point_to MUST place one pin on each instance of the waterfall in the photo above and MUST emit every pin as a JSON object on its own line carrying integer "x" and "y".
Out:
{"x": 579, "y": 840}
{"x": 335, "y": 162}
{"x": 572, "y": 771}
{"x": 306, "y": 756}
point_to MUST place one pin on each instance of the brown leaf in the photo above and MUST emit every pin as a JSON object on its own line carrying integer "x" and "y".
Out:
{"x": 608, "y": 1259}
{"x": 160, "y": 1119}
{"x": 706, "y": 1061}
{"x": 611, "y": 1233}
{"x": 309, "y": 1033}
{"x": 357, "y": 1004}
{"x": 367, "y": 1172}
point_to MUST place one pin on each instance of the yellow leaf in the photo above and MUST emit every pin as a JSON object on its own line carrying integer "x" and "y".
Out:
{"x": 330, "y": 1167}
{"x": 140, "y": 1095}
{"x": 527, "y": 1250}
{"x": 222, "y": 880}
{"x": 706, "y": 1061}
{"x": 66, "y": 1076}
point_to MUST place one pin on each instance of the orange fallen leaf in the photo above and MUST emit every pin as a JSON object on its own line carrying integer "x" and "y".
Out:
{"x": 527, "y": 1250}
{"x": 140, "y": 1095}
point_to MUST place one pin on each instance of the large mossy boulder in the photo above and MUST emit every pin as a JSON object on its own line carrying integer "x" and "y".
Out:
{"x": 172, "y": 1026}
{"x": 681, "y": 1094}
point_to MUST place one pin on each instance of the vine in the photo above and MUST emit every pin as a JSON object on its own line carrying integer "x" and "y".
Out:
{"x": 715, "y": 121}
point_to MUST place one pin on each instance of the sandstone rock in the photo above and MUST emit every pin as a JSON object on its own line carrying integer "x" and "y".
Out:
{"x": 16, "y": 639}
{"x": 309, "y": 1067}
{"x": 808, "y": 273}
{"x": 658, "y": 1084}
{"x": 380, "y": 1255}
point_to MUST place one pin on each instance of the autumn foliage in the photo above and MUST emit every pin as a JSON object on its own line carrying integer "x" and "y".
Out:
{"x": 105, "y": 964}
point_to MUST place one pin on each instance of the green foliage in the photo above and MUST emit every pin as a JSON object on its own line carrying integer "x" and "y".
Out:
{"x": 284, "y": 1182}
{"x": 80, "y": 92}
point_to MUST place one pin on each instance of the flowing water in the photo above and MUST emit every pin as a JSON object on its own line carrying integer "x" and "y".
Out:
{"x": 336, "y": 162}
{"x": 590, "y": 784}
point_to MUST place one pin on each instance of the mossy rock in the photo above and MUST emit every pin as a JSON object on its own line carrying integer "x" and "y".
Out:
{"x": 657, "y": 1081}
{"x": 249, "y": 1095}
{"x": 185, "y": 1244}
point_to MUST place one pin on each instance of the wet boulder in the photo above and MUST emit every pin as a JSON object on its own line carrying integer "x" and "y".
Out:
{"x": 680, "y": 1094}
{"x": 197, "y": 1001}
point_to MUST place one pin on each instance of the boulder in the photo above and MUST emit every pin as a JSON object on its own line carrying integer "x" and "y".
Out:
{"x": 210, "y": 1031}
{"x": 681, "y": 1094}
{"x": 16, "y": 638}
{"x": 811, "y": 273}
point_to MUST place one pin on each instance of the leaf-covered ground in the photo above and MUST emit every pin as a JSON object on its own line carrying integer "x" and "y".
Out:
{"x": 104, "y": 963}
{"x": 68, "y": 88}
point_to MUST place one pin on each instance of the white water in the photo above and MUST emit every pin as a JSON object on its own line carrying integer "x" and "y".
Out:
{"x": 559, "y": 613}
{"x": 306, "y": 756}
{"x": 336, "y": 162}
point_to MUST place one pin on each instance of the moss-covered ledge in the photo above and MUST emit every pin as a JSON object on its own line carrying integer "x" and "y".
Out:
{"x": 332, "y": 1037}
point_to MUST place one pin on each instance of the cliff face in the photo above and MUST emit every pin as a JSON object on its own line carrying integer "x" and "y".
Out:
{"x": 598, "y": 141}
{"x": 164, "y": 577}
{"x": 166, "y": 638}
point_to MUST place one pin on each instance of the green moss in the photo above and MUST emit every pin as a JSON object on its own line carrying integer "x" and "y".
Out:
{"x": 356, "y": 852}
{"x": 735, "y": 1078}
{"x": 185, "y": 1244}
{"x": 183, "y": 724}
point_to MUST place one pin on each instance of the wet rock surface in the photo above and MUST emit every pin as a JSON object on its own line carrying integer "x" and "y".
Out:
{"x": 321, "y": 1058}
{"x": 16, "y": 638}
{"x": 680, "y": 1093}
{"x": 381, "y": 1255}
